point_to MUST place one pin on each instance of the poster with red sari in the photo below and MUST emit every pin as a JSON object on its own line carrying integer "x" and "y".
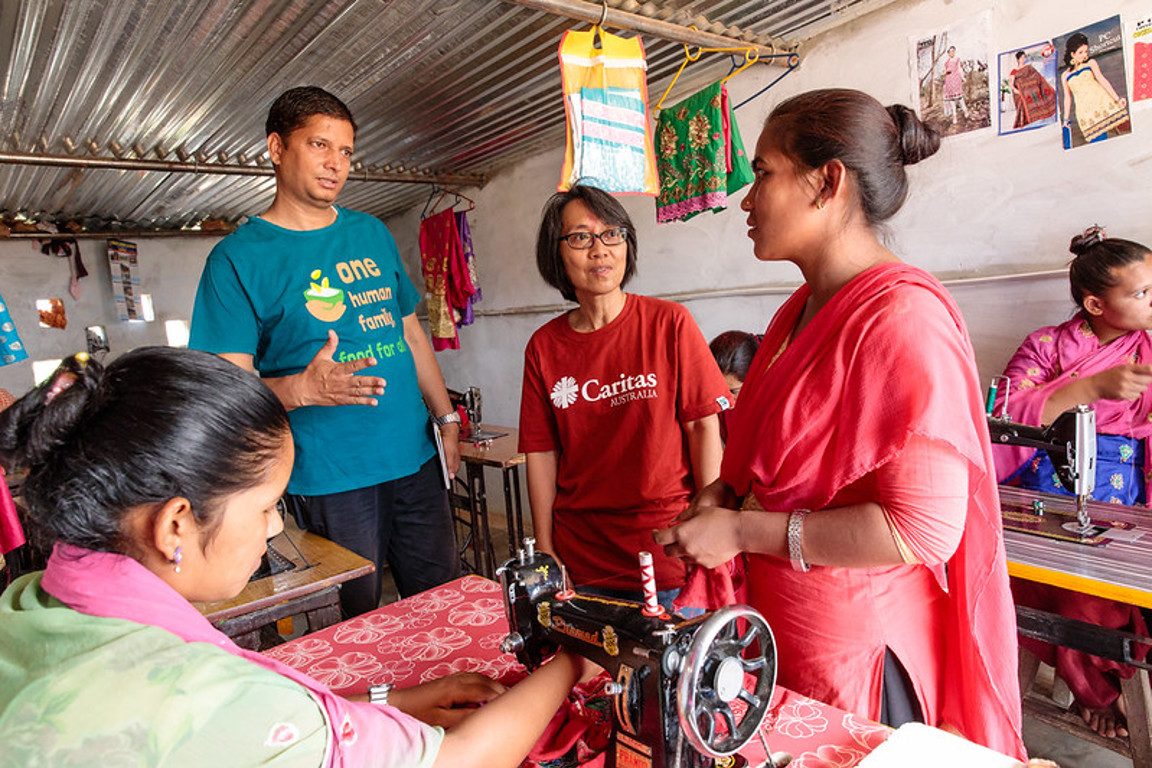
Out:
{"x": 1027, "y": 88}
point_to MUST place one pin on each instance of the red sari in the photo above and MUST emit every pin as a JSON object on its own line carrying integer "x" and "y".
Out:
{"x": 887, "y": 358}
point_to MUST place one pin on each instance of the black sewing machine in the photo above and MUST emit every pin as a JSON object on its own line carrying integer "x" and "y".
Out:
{"x": 473, "y": 404}
{"x": 1070, "y": 441}
{"x": 687, "y": 693}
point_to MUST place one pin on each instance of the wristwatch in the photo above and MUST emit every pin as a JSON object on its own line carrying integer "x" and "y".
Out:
{"x": 452, "y": 417}
{"x": 378, "y": 694}
{"x": 795, "y": 548}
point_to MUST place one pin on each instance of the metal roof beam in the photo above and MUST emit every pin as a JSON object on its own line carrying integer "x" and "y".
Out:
{"x": 776, "y": 52}
{"x": 226, "y": 169}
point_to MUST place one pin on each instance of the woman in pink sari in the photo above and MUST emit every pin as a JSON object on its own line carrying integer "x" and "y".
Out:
{"x": 159, "y": 479}
{"x": 857, "y": 478}
{"x": 1102, "y": 356}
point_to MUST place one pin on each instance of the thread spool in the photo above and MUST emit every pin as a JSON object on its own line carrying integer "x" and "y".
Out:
{"x": 567, "y": 593}
{"x": 648, "y": 582}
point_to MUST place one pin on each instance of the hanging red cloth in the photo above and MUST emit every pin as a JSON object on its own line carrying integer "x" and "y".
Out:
{"x": 439, "y": 250}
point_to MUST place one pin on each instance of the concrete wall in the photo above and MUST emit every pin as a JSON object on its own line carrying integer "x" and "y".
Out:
{"x": 169, "y": 268}
{"x": 984, "y": 206}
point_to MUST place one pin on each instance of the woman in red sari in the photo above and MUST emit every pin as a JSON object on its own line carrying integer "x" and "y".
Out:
{"x": 857, "y": 478}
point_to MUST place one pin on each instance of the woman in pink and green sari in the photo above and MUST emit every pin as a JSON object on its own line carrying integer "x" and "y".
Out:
{"x": 1102, "y": 357}
{"x": 159, "y": 478}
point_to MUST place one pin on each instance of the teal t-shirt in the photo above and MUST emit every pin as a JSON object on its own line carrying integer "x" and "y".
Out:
{"x": 274, "y": 293}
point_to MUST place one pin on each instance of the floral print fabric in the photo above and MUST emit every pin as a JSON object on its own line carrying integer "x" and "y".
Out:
{"x": 701, "y": 157}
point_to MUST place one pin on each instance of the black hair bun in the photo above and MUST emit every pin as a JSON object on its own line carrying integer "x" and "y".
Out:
{"x": 918, "y": 140}
{"x": 1092, "y": 236}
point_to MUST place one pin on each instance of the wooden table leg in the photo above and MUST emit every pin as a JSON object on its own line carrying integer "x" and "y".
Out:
{"x": 482, "y": 534}
{"x": 1138, "y": 701}
{"x": 322, "y": 609}
{"x": 1029, "y": 665}
{"x": 513, "y": 509}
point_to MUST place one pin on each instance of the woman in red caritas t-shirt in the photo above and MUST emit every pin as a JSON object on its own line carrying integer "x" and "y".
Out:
{"x": 618, "y": 415}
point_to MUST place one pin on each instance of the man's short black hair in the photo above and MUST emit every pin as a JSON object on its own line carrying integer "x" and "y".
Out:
{"x": 293, "y": 108}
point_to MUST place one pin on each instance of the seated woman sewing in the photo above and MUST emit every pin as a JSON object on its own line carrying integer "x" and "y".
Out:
{"x": 158, "y": 477}
{"x": 1102, "y": 356}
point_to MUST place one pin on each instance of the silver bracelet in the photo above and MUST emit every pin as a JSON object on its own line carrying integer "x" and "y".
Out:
{"x": 795, "y": 549}
{"x": 378, "y": 694}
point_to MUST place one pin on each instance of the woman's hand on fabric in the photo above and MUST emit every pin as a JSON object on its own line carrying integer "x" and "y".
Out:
{"x": 1123, "y": 382}
{"x": 446, "y": 700}
{"x": 703, "y": 535}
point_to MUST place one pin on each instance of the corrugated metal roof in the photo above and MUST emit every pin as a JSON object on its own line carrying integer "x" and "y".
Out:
{"x": 461, "y": 86}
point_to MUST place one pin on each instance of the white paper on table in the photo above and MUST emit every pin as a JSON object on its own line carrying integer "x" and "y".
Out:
{"x": 915, "y": 745}
{"x": 1119, "y": 534}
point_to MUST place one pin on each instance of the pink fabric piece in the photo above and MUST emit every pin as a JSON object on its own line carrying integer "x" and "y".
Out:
{"x": 726, "y": 127}
{"x": 116, "y": 586}
{"x": 11, "y": 532}
{"x": 704, "y": 202}
{"x": 886, "y": 358}
{"x": 1052, "y": 357}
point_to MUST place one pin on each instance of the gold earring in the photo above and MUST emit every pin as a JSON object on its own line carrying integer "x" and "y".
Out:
{"x": 820, "y": 204}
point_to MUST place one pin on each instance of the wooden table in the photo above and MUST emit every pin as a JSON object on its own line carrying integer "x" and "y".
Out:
{"x": 311, "y": 589}
{"x": 1120, "y": 570}
{"x": 459, "y": 626}
{"x": 499, "y": 453}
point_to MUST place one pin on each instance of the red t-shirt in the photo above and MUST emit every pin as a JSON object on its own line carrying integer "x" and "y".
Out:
{"x": 612, "y": 404}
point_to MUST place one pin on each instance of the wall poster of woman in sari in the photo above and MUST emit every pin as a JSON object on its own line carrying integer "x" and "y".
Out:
{"x": 1093, "y": 84}
{"x": 952, "y": 89}
{"x": 1027, "y": 87}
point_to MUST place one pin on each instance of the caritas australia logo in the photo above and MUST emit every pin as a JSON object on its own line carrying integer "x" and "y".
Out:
{"x": 624, "y": 389}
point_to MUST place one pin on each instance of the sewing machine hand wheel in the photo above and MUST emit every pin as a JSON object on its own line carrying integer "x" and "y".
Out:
{"x": 714, "y": 675}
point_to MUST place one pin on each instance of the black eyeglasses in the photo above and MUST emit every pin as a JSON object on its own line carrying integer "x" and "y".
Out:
{"x": 582, "y": 241}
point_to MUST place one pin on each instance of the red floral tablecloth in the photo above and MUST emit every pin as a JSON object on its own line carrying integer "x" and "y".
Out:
{"x": 459, "y": 626}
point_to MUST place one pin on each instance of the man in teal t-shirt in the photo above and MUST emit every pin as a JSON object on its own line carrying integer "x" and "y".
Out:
{"x": 315, "y": 299}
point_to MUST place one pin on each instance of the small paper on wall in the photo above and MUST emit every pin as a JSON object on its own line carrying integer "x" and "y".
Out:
{"x": 1142, "y": 59}
{"x": 122, "y": 265}
{"x": 52, "y": 314}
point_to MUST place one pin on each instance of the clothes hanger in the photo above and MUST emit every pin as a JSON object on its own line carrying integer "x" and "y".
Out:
{"x": 464, "y": 199}
{"x": 597, "y": 28}
{"x": 428, "y": 202}
{"x": 751, "y": 56}
{"x": 688, "y": 59}
{"x": 792, "y": 63}
{"x": 444, "y": 192}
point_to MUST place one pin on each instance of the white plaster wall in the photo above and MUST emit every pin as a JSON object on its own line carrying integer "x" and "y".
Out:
{"x": 984, "y": 205}
{"x": 169, "y": 269}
